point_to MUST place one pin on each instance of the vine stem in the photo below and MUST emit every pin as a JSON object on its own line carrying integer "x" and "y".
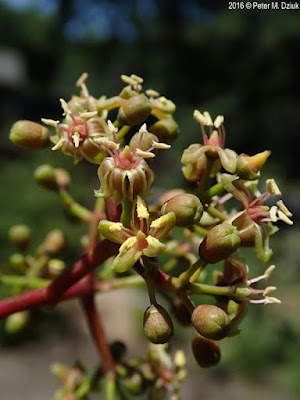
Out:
{"x": 97, "y": 331}
{"x": 53, "y": 292}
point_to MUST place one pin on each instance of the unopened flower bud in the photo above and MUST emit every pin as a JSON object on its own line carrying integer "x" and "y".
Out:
{"x": 168, "y": 195}
{"x": 29, "y": 135}
{"x": 18, "y": 261}
{"x": 20, "y": 236}
{"x": 55, "y": 242}
{"x": 166, "y": 130}
{"x": 186, "y": 207}
{"x": 16, "y": 322}
{"x": 55, "y": 267}
{"x": 219, "y": 243}
{"x": 181, "y": 313}
{"x": 134, "y": 383}
{"x": 142, "y": 140}
{"x": 211, "y": 321}
{"x": 248, "y": 167}
{"x": 46, "y": 177}
{"x": 158, "y": 326}
{"x": 135, "y": 110}
{"x": 206, "y": 352}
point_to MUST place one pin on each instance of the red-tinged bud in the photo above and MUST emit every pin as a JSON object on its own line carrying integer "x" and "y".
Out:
{"x": 219, "y": 243}
{"x": 248, "y": 167}
{"x": 206, "y": 352}
{"x": 186, "y": 207}
{"x": 29, "y": 135}
{"x": 135, "y": 110}
{"x": 55, "y": 242}
{"x": 158, "y": 326}
{"x": 19, "y": 236}
{"x": 166, "y": 130}
{"x": 211, "y": 322}
{"x": 168, "y": 195}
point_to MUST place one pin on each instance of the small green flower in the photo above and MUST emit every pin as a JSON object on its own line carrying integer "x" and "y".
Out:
{"x": 197, "y": 158}
{"x": 142, "y": 239}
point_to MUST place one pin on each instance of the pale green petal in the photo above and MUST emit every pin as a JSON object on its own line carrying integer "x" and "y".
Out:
{"x": 124, "y": 261}
{"x": 163, "y": 225}
{"x": 155, "y": 247}
{"x": 114, "y": 231}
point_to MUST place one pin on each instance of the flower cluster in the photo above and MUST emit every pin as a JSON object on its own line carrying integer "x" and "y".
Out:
{"x": 167, "y": 244}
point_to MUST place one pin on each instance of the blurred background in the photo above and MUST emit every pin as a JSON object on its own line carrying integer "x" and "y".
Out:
{"x": 242, "y": 64}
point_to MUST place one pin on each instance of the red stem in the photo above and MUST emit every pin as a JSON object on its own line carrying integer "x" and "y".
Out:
{"x": 62, "y": 287}
{"x": 97, "y": 331}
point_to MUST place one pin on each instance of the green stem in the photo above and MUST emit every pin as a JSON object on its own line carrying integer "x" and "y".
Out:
{"x": 187, "y": 301}
{"x": 214, "y": 190}
{"x": 30, "y": 282}
{"x": 184, "y": 278}
{"x": 215, "y": 213}
{"x": 148, "y": 279}
{"x": 110, "y": 386}
{"x": 123, "y": 132}
{"x": 199, "y": 230}
{"x": 201, "y": 288}
{"x": 75, "y": 208}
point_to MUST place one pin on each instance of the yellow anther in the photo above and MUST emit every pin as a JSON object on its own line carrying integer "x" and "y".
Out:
{"x": 65, "y": 107}
{"x": 59, "y": 144}
{"x": 285, "y": 218}
{"x": 158, "y": 145}
{"x": 106, "y": 142}
{"x": 142, "y": 211}
{"x": 50, "y": 122}
{"x": 144, "y": 154}
{"x": 199, "y": 117}
{"x": 136, "y": 78}
{"x": 271, "y": 300}
{"x": 269, "y": 271}
{"x": 128, "y": 244}
{"x": 160, "y": 222}
{"x": 152, "y": 93}
{"x": 273, "y": 213}
{"x": 208, "y": 118}
{"x": 111, "y": 127}
{"x": 76, "y": 139}
{"x": 143, "y": 129}
{"x": 284, "y": 208}
{"x": 81, "y": 80}
{"x": 219, "y": 121}
{"x": 88, "y": 114}
{"x": 116, "y": 227}
{"x": 272, "y": 187}
{"x": 269, "y": 290}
